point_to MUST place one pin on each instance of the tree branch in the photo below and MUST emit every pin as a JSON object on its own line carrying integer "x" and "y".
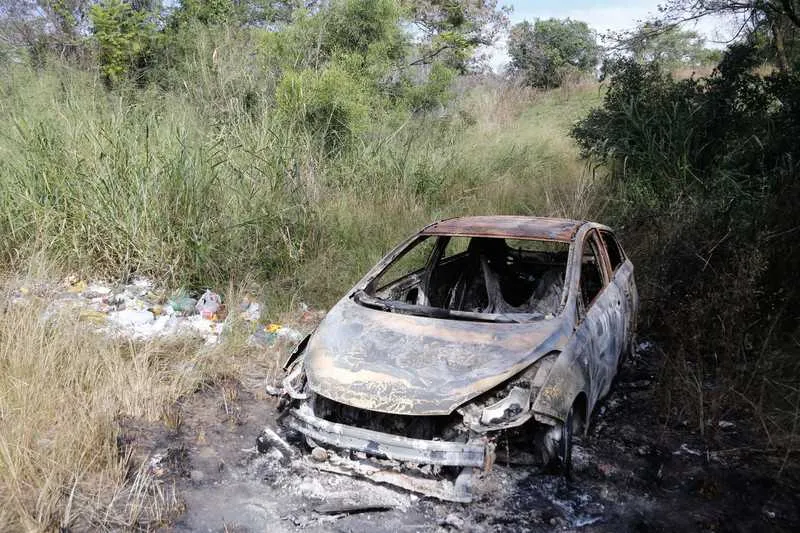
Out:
{"x": 428, "y": 57}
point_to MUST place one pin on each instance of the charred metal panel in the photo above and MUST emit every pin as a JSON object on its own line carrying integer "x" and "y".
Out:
{"x": 515, "y": 227}
{"x": 384, "y": 445}
{"x": 590, "y": 359}
{"x": 405, "y": 364}
{"x": 443, "y": 489}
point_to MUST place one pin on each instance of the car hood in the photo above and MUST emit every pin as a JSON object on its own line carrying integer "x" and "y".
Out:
{"x": 415, "y": 365}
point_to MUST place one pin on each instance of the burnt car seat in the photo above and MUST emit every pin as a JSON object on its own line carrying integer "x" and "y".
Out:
{"x": 470, "y": 292}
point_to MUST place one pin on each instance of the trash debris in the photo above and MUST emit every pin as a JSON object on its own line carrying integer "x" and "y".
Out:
{"x": 155, "y": 467}
{"x": 97, "y": 291}
{"x": 262, "y": 444}
{"x": 261, "y": 338}
{"x": 77, "y": 287}
{"x": 453, "y": 521}
{"x": 269, "y": 438}
{"x": 273, "y": 390}
{"x": 90, "y": 315}
{"x": 138, "y": 310}
{"x": 131, "y": 317}
{"x": 183, "y": 305}
{"x": 251, "y": 311}
{"x": 290, "y": 334}
{"x": 209, "y": 305}
{"x": 685, "y": 449}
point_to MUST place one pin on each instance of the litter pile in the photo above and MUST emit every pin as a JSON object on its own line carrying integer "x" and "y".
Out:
{"x": 139, "y": 310}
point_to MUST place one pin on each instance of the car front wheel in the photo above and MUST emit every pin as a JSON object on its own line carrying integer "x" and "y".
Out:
{"x": 565, "y": 445}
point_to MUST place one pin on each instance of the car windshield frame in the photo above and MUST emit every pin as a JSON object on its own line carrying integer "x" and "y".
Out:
{"x": 362, "y": 296}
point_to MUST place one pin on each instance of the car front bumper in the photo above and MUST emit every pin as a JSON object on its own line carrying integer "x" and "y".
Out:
{"x": 387, "y": 446}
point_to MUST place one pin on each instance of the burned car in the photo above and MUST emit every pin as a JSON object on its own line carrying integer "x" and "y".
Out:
{"x": 475, "y": 337}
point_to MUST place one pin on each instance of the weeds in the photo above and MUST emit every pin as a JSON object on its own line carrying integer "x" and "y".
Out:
{"x": 64, "y": 391}
{"x": 150, "y": 182}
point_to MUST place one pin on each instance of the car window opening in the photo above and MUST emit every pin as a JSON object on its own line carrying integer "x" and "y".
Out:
{"x": 468, "y": 277}
{"x": 591, "y": 277}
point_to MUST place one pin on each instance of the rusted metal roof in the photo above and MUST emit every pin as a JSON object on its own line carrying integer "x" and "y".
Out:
{"x": 513, "y": 227}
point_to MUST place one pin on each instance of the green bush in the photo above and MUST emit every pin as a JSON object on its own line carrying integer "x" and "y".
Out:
{"x": 123, "y": 36}
{"x": 705, "y": 182}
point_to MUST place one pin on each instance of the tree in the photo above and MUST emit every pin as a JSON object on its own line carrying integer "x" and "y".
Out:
{"x": 44, "y": 24}
{"x": 451, "y": 30}
{"x": 122, "y": 35}
{"x": 671, "y": 47}
{"x": 206, "y": 12}
{"x": 780, "y": 17}
{"x": 545, "y": 52}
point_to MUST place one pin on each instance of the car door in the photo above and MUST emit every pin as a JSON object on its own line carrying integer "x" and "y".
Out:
{"x": 599, "y": 315}
{"x": 622, "y": 278}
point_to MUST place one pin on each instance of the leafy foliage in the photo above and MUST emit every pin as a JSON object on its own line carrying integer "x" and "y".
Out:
{"x": 706, "y": 181}
{"x": 330, "y": 103}
{"x": 778, "y": 20}
{"x": 545, "y": 52}
{"x": 122, "y": 34}
{"x": 670, "y": 46}
{"x": 451, "y": 30}
{"x": 203, "y": 11}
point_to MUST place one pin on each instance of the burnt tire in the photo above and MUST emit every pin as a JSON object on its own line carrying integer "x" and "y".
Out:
{"x": 564, "y": 453}
{"x": 556, "y": 446}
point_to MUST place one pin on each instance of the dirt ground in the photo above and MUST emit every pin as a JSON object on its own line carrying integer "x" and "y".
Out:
{"x": 633, "y": 473}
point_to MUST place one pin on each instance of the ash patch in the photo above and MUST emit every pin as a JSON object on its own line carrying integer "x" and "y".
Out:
{"x": 632, "y": 473}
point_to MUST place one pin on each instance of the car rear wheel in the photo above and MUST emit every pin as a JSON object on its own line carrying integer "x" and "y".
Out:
{"x": 627, "y": 351}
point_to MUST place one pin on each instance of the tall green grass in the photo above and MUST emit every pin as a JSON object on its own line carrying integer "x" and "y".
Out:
{"x": 206, "y": 182}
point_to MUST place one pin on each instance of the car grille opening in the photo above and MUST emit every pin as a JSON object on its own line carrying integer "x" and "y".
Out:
{"x": 446, "y": 427}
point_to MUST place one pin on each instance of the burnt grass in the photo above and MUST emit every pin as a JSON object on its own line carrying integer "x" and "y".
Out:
{"x": 633, "y": 472}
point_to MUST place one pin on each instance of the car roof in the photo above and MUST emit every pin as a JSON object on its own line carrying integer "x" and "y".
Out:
{"x": 514, "y": 227}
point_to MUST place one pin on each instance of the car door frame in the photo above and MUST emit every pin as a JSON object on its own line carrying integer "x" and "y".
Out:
{"x": 623, "y": 277}
{"x": 598, "y": 324}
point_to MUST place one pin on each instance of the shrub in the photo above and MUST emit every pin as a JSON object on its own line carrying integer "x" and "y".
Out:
{"x": 704, "y": 173}
{"x": 123, "y": 35}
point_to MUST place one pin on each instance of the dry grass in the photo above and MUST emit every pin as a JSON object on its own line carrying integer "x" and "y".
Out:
{"x": 62, "y": 390}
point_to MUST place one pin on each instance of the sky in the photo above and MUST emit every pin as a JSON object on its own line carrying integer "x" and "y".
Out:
{"x": 602, "y": 16}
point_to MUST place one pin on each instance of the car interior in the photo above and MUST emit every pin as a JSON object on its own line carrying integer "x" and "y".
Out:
{"x": 478, "y": 274}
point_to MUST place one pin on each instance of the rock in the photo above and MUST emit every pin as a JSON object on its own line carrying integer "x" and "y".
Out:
{"x": 319, "y": 454}
{"x": 197, "y": 476}
{"x": 453, "y": 521}
{"x": 262, "y": 444}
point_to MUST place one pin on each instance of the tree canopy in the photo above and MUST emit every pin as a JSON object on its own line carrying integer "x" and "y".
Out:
{"x": 776, "y": 23}
{"x": 671, "y": 47}
{"x": 546, "y": 52}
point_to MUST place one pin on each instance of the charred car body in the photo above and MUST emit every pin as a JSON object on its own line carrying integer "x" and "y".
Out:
{"x": 475, "y": 332}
